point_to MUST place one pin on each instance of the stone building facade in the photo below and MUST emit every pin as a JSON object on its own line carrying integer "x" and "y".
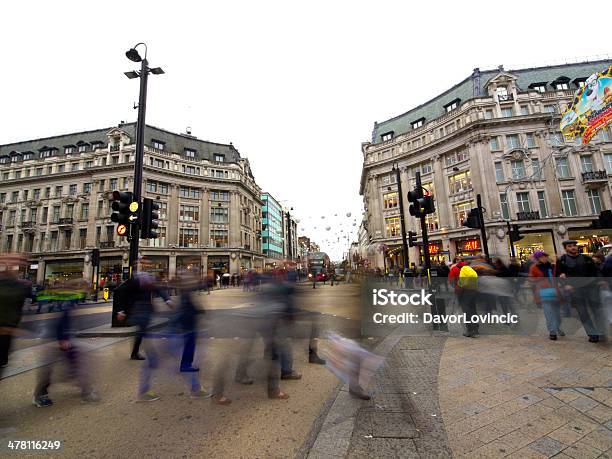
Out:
{"x": 496, "y": 134}
{"x": 54, "y": 203}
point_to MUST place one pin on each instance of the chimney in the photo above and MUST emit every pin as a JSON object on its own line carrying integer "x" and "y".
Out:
{"x": 188, "y": 130}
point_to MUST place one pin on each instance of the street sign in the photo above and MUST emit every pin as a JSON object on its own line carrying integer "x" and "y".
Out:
{"x": 132, "y": 218}
{"x": 121, "y": 230}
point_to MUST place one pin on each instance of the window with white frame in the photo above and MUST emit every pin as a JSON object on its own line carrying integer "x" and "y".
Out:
{"x": 392, "y": 226}
{"x": 586, "y": 163}
{"x": 499, "y": 172}
{"x": 561, "y": 85}
{"x": 512, "y": 141}
{"x": 460, "y": 182}
{"x": 418, "y": 123}
{"x": 542, "y": 204}
{"x": 189, "y": 213}
{"x": 386, "y": 136}
{"x": 502, "y": 93}
{"x": 569, "y": 203}
{"x": 505, "y": 210}
{"x": 518, "y": 169}
{"x": 451, "y": 106}
{"x": 539, "y": 87}
{"x": 158, "y": 144}
{"x": 594, "y": 201}
{"x": 522, "y": 202}
{"x": 190, "y": 153}
{"x": 536, "y": 169}
{"x": 218, "y": 157}
{"x": 608, "y": 162}
{"x": 562, "y": 168}
{"x": 390, "y": 200}
{"x": 530, "y": 140}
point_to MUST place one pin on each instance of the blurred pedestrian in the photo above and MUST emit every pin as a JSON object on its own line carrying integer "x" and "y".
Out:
{"x": 13, "y": 292}
{"x": 579, "y": 274}
{"x": 546, "y": 294}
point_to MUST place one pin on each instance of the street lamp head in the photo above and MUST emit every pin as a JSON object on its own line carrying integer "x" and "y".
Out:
{"x": 157, "y": 71}
{"x": 133, "y": 55}
{"x": 131, "y": 75}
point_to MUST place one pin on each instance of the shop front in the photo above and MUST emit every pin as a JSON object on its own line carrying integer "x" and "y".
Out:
{"x": 532, "y": 241}
{"x": 468, "y": 247}
{"x": 218, "y": 264}
{"x": 436, "y": 254}
{"x": 58, "y": 271}
{"x": 188, "y": 263}
{"x": 157, "y": 266}
{"x": 111, "y": 270}
{"x": 393, "y": 258}
{"x": 590, "y": 240}
{"x": 245, "y": 263}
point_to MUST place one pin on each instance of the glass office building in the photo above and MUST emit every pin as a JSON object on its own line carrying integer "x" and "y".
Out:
{"x": 272, "y": 227}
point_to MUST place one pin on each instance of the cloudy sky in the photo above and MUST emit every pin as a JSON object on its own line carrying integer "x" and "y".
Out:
{"x": 296, "y": 86}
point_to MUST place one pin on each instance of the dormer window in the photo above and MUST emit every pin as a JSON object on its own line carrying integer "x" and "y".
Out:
{"x": 46, "y": 153}
{"x": 386, "y": 136}
{"x": 190, "y": 153}
{"x": 96, "y": 144}
{"x": 580, "y": 82}
{"x": 158, "y": 144}
{"x": 418, "y": 123}
{"x": 28, "y": 155}
{"x": 539, "y": 87}
{"x": 218, "y": 157}
{"x": 68, "y": 149}
{"x": 452, "y": 105}
{"x": 561, "y": 86}
{"x": 502, "y": 94}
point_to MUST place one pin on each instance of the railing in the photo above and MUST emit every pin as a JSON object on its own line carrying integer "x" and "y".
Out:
{"x": 114, "y": 148}
{"x": 107, "y": 245}
{"x": 505, "y": 97}
{"x": 534, "y": 215}
{"x": 65, "y": 221}
{"x": 28, "y": 224}
{"x": 594, "y": 176}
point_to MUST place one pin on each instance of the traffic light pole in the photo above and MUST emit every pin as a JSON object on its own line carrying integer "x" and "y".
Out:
{"x": 424, "y": 235}
{"x": 401, "y": 209}
{"x": 483, "y": 232}
{"x": 138, "y": 163}
{"x": 512, "y": 252}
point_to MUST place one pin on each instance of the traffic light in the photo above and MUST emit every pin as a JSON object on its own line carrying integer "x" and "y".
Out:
{"x": 95, "y": 257}
{"x": 515, "y": 233}
{"x": 412, "y": 242}
{"x": 149, "y": 219}
{"x": 416, "y": 198}
{"x": 429, "y": 204}
{"x": 124, "y": 211}
{"x": 472, "y": 220}
{"x": 604, "y": 221}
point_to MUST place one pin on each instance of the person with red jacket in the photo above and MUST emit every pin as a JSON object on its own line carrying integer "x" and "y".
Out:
{"x": 546, "y": 293}
{"x": 453, "y": 275}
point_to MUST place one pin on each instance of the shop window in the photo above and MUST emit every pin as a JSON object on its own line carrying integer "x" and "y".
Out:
{"x": 569, "y": 203}
{"x": 390, "y": 200}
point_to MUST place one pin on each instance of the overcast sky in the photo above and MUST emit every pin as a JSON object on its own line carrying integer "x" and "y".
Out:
{"x": 296, "y": 86}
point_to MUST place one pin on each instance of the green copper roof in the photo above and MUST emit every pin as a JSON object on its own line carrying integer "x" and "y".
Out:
{"x": 469, "y": 89}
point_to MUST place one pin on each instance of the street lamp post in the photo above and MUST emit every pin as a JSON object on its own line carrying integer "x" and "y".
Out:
{"x": 132, "y": 54}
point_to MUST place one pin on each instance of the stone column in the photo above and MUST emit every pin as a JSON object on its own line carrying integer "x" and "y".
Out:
{"x": 40, "y": 274}
{"x": 172, "y": 231}
{"x": 172, "y": 266}
{"x": 204, "y": 220}
{"x": 234, "y": 218}
{"x": 91, "y": 218}
{"x": 440, "y": 193}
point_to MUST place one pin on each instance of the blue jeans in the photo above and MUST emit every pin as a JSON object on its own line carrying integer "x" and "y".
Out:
{"x": 552, "y": 314}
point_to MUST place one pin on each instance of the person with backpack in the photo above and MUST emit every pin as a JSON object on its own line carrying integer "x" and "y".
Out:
{"x": 580, "y": 282}
{"x": 545, "y": 292}
{"x": 467, "y": 293}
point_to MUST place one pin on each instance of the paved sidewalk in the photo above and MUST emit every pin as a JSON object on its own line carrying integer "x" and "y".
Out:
{"x": 495, "y": 396}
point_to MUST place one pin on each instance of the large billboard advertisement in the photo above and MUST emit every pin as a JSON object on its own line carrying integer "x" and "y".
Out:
{"x": 591, "y": 109}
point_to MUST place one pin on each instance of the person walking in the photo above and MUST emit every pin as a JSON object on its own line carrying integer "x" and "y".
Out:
{"x": 546, "y": 294}
{"x": 467, "y": 292}
{"x": 579, "y": 274}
